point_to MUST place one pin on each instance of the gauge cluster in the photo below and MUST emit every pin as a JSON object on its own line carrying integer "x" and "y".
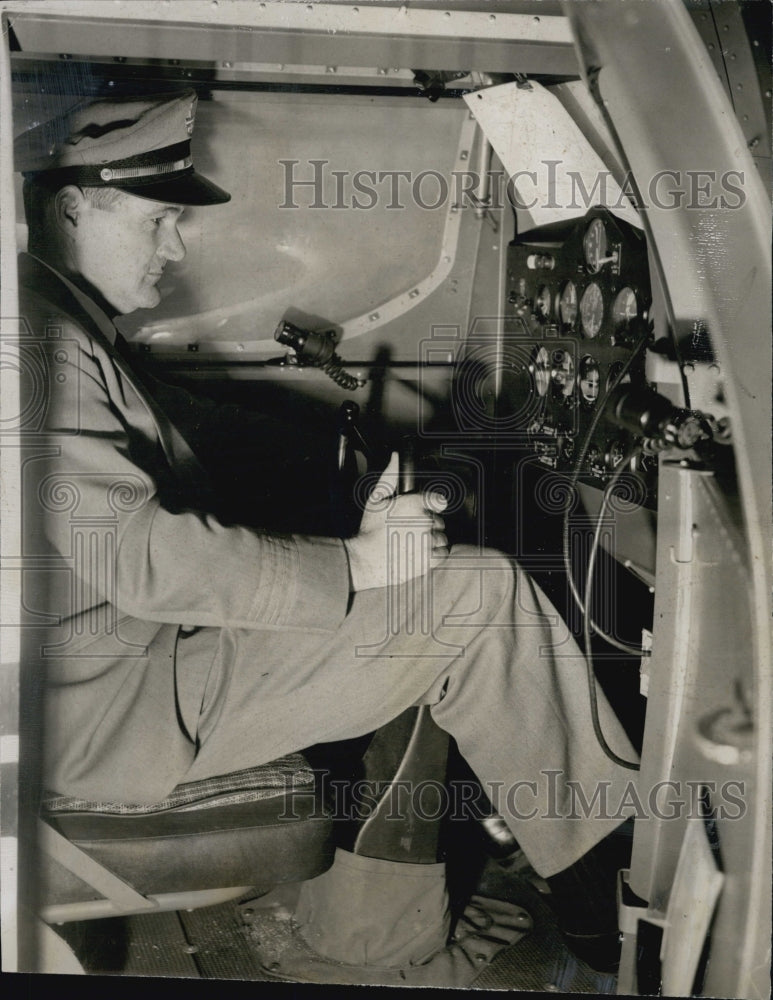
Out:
{"x": 579, "y": 308}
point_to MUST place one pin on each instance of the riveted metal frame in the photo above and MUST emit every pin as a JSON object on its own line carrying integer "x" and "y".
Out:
{"x": 619, "y": 49}
{"x": 335, "y": 35}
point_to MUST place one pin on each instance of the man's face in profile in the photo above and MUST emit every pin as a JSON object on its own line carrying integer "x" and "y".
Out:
{"x": 122, "y": 249}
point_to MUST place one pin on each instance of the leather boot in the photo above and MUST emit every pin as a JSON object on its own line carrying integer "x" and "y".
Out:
{"x": 583, "y": 897}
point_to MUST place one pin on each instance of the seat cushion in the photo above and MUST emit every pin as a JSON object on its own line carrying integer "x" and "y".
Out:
{"x": 251, "y": 785}
{"x": 256, "y": 827}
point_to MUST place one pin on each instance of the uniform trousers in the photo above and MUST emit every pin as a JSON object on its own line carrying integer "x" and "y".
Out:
{"x": 476, "y": 640}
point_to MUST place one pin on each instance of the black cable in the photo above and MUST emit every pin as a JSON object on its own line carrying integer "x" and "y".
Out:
{"x": 680, "y": 366}
{"x": 334, "y": 368}
{"x": 580, "y": 459}
{"x": 586, "y": 624}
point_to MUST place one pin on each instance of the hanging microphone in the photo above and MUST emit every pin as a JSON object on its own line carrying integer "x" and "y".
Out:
{"x": 316, "y": 349}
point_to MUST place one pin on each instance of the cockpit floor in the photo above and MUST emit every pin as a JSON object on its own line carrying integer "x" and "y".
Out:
{"x": 212, "y": 943}
{"x": 541, "y": 962}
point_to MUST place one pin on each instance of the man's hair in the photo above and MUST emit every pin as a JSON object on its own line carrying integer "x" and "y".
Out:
{"x": 39, "y": 194}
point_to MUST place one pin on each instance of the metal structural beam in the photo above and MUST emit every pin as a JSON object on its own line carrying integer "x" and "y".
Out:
{"x": 662, "y": 96}
{"x": 279, "y": 33}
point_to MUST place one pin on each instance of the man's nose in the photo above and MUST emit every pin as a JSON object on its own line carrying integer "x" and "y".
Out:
{"x": 172, "y": 246}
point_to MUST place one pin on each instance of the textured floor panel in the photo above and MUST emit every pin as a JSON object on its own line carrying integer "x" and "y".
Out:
{"x": 212, "y": 943}
{"x": 147, "y": 945}
{"x": 541, "y": 961}
{"x": 158, "y": 947}
{"x": 488, "y": 927}
{"x": 223, "y": 951}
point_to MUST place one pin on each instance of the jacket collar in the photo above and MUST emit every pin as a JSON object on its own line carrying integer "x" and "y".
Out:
{"x": 39, "y": 277}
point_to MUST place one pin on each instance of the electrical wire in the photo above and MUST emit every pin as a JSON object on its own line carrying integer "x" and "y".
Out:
{"x": 586, "y": 624}
{"x": 334, "y": 368}
{"x": 682, "y": 372}
{"x": 580, "y": 459}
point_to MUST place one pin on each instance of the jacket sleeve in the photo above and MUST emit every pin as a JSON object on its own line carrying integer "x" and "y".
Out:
{"x": 181, "y": 566}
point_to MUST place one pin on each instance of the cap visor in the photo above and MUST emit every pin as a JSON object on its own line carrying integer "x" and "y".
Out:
{"x": 188, "y": 189}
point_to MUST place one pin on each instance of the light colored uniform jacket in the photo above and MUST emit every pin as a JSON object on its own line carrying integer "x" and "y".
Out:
{"x": 121, "y": 552}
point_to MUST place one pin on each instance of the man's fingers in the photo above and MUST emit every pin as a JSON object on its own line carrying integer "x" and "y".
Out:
{"x": 413, "y": 505}
{"x": 435, "y": 501}
{"x": 386, "y": 486}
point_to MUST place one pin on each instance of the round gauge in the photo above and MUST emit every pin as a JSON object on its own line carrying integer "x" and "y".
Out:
{"x": 592, "y": 310}
{"x": 563, "y": 373}
{"x": 589, "y": 379}
{"x": 567, "y": 304}
{"x": 614, "y": 370}
{"x": 594, "y": 245}
{"x": 540, "y": 369}
{"x": 542, "y": 303}
{"x": 625, "y": 308}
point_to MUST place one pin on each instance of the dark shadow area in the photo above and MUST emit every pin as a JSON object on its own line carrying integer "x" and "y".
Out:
{"x": 100, "y": 945}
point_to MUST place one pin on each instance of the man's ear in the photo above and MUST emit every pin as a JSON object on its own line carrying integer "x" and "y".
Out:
{"x": 69, "y": 205}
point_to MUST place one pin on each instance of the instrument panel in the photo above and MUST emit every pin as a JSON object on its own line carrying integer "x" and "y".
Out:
{"x": 576, "y": 312}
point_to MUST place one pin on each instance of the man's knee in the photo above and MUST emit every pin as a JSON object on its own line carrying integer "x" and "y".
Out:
{"x": 475, "y": 582}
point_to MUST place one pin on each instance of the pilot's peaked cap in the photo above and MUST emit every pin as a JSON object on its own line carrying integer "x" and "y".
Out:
{"x": 139, "y": 144}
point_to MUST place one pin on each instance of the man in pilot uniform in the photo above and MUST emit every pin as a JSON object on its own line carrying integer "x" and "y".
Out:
{"x": 189, "y": 647}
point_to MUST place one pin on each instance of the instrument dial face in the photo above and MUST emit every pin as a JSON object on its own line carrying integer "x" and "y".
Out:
{"x": 567, "y": 304}
{"x": 594, "y": 245}
{"x": 541, "y": 371}
{"x": 589, "y": 380}
{"x": 542, "y": 303}
{"x": 625, "y": 308}
{"x": 563, "y": 373}
{"x": 592, "y": 310}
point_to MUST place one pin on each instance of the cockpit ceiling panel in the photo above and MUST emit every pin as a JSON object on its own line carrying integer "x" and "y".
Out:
{"x": 243, "y": 31}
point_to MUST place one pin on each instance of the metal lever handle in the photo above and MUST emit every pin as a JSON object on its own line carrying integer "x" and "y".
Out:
{"x": 347, "y": 416}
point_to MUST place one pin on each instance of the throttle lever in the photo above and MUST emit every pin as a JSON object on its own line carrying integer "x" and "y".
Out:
{"x": 347, "y": 416}
{"x": 406, "y": 481}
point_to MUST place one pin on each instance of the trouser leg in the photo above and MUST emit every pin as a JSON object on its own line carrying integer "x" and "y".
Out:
{"x": 519, "y": 710}
{"x": 482, "y": 645}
